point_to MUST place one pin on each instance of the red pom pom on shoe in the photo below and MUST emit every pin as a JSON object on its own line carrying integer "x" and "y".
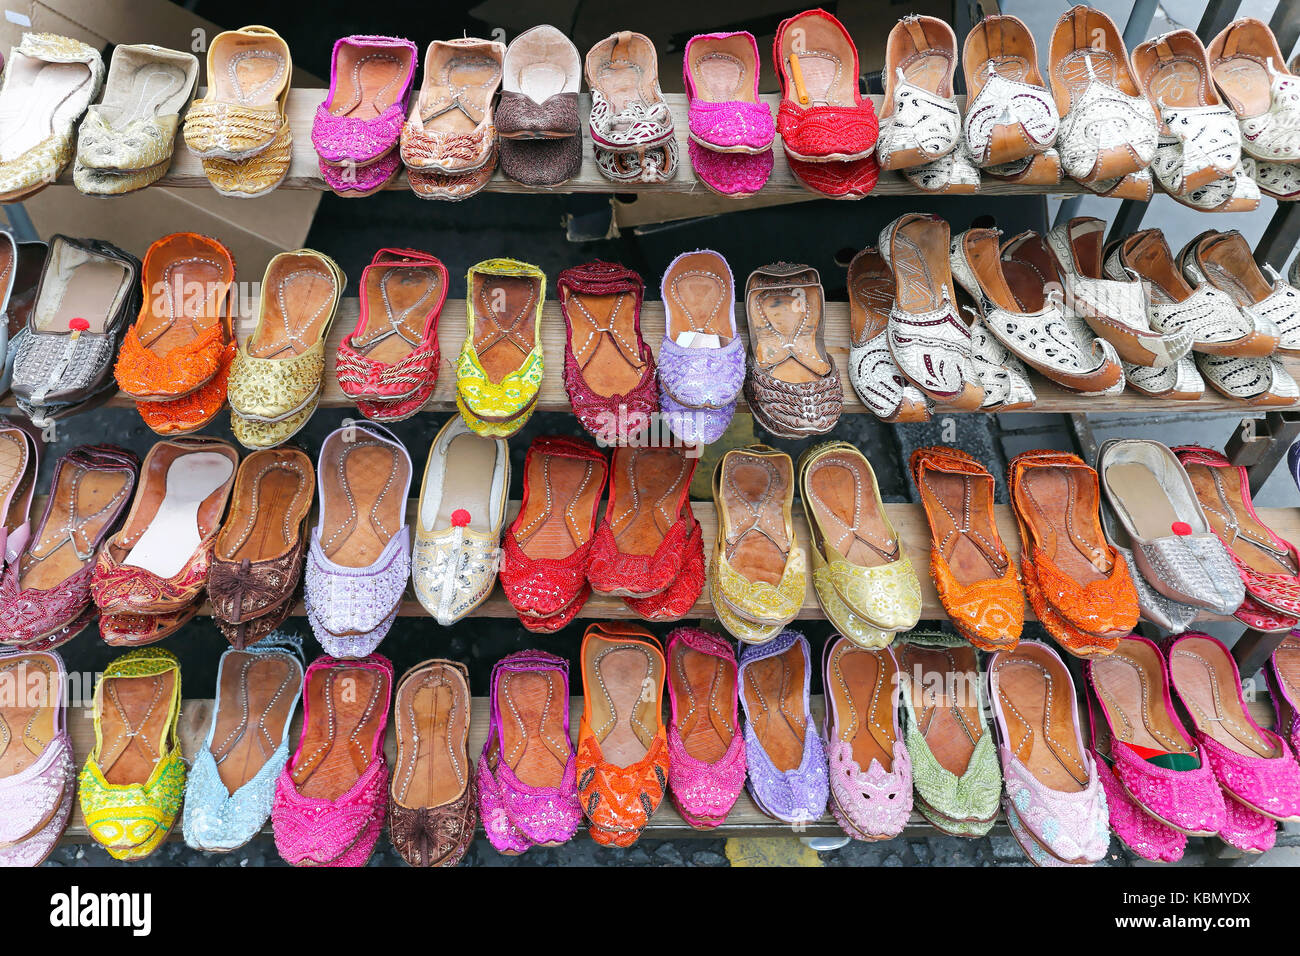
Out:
{"x": 78, "y": 324}
{"x": 459, "y": 518}
{"x": 1181, "y": 527}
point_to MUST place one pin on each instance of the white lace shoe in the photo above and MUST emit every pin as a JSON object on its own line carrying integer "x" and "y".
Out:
{"x": 920, "y": 122}
{"x": 1251, "y": 74}
{"x": 1226, "y": 261}
{"x": 1180, "y": 381}
{"x": 955, "y": 174}
{"x": 1003, "y": 376}
{"x": 872, "y": 369}
{"x": 1010, "y": 115}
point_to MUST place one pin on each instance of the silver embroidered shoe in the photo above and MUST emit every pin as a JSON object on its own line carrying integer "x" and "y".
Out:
{"x": 1226, "y": 261}
{"x": 1180, "y": 382}
{"x": 88, "y": 292}
{"x": 1251, "y": 74}
{"x": 1010, "y": 115}
{"x": 1002, "y": 375}
{"x": 1170, "y": 615}
{"x": 919, "y": 121}
{"x": 872, "y": 370}
{"x": 1173, "y": 545}
{"x": 1115, "y": 309}
{"x": 231, "y": 784}
{"x": 458, "y": 531}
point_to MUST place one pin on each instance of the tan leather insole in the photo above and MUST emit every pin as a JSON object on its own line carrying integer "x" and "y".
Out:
{"x": 302, "y": 292}
{"x": 943, "y": 682}
{"x": 628, "y": 76}
{"x": 26, "y": 716}
{"x": 1221, "y": 502}
{"x": 1062, "y": 509}
{"x": 1146, "y": 504}
{"x": 784, "y": 323}
{"x": 542, "y": 63}
{"x": 698, "y": 298}
{"x": 505, "y": 321}
{"x": 398, "y": 301}
{"x": 723, "y": 70}
{"x": 151, "y": 88}
{"x": 467, "y": 482}
{"x": 1206, "y": 685}
{"x": 133, "y": 719}
{"x": 1036, "y": 704}
{"x": 705, "y": 688}
{"x": 970, "y": 500}
{"x": 84, "y": 502}
{"x": 861, "y": 686}
{"x": 459, "y": 86}
{"x": 605, "y": 341}
{"x": 532, "y": 706}
{"x": 1245, "y": 82}
{"x": 1127, "y": 684}
{"x": 825, "y": 61}
{"x": 622, "y": 677}
{"x": 369, "y": 81}
{"x": 92, "y": 291}
{"x": 1286, "y": 660}
{"x": 13, "y": 470}
{"x": 362, "y": 508}
{"x": 563, "y": 492}
{"x": 986, "y": 261}
{"x": 843, "y": 497}
{"x": 41, "y": 96}
{"x": 432, "y": 725}
{"x": 270, "y": 515}
{"x": 872, "y": 287}
{"x": 753, "y": 487}
{"x": 350, "y": 701}
{"x": 256, "y": 696}
{"x": 773, "y": 689}
{"x": 648, "y": 487}
{"x": 919, "y": 259}
{"x": 184, "y": 306}
{"x": 249, "y": 70}
{"x": 1178, "y": 81}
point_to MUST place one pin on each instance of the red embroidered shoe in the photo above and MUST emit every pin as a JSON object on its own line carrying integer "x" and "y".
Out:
{"x": 547, "y": 550}
{"x": 676, "y": 601}
{"x": 851, "y": 180}
{"x": 609, "y": 370}
{"x": 639, "y": 548}
{"x": 822, "y": 116}
{"x": 388, "y": 365}
{"x": 1268, "y": 564}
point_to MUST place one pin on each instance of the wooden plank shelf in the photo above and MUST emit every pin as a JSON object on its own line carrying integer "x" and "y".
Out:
{"x": 1052, "y": 398}
{"x": 745, "y": 818}
{"x": 304, "y": 170}
{"x": 908, "y": 520}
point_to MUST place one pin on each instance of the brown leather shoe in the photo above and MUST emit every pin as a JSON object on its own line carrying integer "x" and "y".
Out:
{"x": 433, "y": 798}
{"x": 793, "y": 387}
{"x": 258, "y": 553}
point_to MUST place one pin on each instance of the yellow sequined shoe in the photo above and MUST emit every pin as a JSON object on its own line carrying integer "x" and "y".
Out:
{"x": 131, "y": 787}
{"x": 275, "y": 379}
{"x": 49, "y": 81}
{"x": 242, "y": 113}
{"x": 757, "y": 579}
{"x": 499, "y": 372}
{"x": 865, "y": 583}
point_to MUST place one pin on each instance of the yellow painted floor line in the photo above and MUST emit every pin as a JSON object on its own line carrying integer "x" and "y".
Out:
{"x": 770, "y": 851}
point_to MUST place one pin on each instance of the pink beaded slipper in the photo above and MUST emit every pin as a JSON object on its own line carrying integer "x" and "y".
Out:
{"x": 361, "y": 119}
{"x": 706, "y": 751}
{"x": 720, "y": 72}
{"x": 736, "y": 175}
{"x": 331, "y": 797}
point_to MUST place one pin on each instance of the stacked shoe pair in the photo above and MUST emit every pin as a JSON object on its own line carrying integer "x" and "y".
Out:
{"x": 538, "y": 119}
{"x": 240, "y": 128}
{"x": 150, "y": 577}
{"x": 555, "y": 554}
{"x": 828, "y": 129}
{"x": 388, "y": 364}
{"x": 631, "y": 125}
{"x": 449, "y": 142}
{"x": 125, "y": 142}
{"x": 731, "y": 129}
{"x": 175, "y": 358}
{"x": 357, "y": 127}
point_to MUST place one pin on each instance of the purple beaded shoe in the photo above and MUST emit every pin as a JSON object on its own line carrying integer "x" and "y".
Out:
{"x": 36, "y": 797}
{"x": 361, "y": 119}
{"x": 862, "y": 728}
{"x": 527, "y": 776}
{"x": 787, "y": 763}
{"x": 706, "y": 754}
{"x": 359, "y": 556}
{"x": 702, "y": 359}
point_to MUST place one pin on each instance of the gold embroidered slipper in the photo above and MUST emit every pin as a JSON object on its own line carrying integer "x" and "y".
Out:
{"x": 242, "y": 112}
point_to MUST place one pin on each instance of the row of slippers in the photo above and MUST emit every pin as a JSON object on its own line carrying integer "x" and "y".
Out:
{"x": 1091, "y": 317}
{"x": 902, "y": 729}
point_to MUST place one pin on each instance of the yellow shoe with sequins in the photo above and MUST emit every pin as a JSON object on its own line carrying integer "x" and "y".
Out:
{"x": 131, "y": 787}
{"x": 242, "y": 113}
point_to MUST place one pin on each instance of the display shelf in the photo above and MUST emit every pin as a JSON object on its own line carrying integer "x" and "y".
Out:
{"x": 304, "y": 170}
{"x": 1052, "y": 398}
{"x": 745, "y": 819}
